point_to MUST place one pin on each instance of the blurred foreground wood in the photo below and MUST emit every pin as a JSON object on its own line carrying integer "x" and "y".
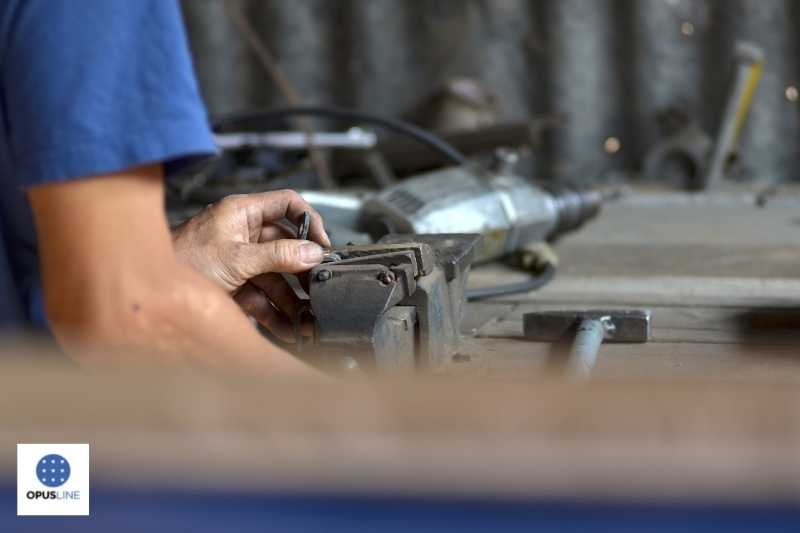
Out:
{"x": 149, "y": 428}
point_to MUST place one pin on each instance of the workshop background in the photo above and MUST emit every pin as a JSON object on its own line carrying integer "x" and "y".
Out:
{"x": 506, "y": 420}
{"x": 615, "y": 68}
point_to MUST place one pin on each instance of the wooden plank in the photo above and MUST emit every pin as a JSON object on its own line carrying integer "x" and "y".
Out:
{"x": 664, "y": 361}
{"x": 710, "y": 260}
{"x": 678, "y": 324}
{"x": 653, "y": 290}
{"x": 662, "y": 442}
{"x": 721, "y": 278}
{"x": 698, "y": 224}
{"x": 478, "y": 314}
{"x": 698, "y": 252}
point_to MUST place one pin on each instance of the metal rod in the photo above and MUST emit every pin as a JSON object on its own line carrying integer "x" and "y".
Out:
{"x": 354, "y": 138}
{"x": 583, "y": 355}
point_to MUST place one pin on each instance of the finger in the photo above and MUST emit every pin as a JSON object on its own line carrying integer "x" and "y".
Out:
{"x": 256, "y": 304}
{"x": 280, "y": 293}
{"x": 281, "y": 231}
{"x": 272, "y": 232}
{"x": 283, "y": 255}
{"x": 272, "y": 206}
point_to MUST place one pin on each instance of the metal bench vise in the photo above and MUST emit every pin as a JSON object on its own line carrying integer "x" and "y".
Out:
{"x": 393, "y": 306}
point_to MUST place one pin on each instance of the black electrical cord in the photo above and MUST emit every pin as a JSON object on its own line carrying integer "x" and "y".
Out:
{"x": 256, "y": 119}
{"x": 532, "y": 284}
{"x": 248, "y": 119}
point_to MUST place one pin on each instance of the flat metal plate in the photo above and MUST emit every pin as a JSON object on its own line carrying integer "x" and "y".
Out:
{"x": 452, "y": 250}
{"x": 550, "y": 326}
{"x": 422, "y": 251}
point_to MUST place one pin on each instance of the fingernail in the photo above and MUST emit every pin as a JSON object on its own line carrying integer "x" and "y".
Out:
{"x": 311, "y": 253}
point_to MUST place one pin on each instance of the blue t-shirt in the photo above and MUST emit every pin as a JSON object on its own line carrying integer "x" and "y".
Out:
{"x": 86, "y": 87}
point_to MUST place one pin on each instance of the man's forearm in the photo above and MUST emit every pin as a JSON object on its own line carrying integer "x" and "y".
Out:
{"x": 113, "y": 284}
{"x": 182, "y": 318}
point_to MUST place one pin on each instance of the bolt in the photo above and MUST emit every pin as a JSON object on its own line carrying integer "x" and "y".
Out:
{"x": 324, "y": 275}
{"x": 386, "y": 278}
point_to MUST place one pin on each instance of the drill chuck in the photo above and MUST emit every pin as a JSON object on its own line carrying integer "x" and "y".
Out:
{"x": 574, "y": 207}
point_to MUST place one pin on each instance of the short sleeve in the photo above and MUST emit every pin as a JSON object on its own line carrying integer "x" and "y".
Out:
{"x": 97, "y": 86}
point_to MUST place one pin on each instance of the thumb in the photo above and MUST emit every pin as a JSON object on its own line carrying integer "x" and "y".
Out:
{"x": 284, "y": 255}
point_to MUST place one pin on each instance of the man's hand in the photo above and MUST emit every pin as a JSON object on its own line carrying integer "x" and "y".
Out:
{"x": 241, "y": 237}
{"x": 241, "y": 246}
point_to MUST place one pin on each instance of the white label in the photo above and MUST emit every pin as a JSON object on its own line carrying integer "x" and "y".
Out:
{"x": 52, "y": 479}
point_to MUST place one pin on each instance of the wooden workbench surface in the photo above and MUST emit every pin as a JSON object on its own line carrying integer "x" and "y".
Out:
{"x": 721, "y": 276}
{"x": 722, "y": 280}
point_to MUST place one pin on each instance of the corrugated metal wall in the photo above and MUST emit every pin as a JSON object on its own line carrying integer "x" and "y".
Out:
{"x": 612, "y": 65}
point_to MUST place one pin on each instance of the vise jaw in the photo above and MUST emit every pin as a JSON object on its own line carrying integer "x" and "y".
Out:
{"x": 393, "y": 306}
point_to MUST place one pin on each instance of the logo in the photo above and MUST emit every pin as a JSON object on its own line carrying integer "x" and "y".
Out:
{"x": 52, "y": 479}
{"x": 53, "y": 470}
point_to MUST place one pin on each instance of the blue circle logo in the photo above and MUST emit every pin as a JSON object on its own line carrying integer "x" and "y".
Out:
{"x": 53, "y": 470}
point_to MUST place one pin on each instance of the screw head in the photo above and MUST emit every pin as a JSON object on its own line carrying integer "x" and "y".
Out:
{"x": 386, "y": 278}
{"x": 324, "y": 275}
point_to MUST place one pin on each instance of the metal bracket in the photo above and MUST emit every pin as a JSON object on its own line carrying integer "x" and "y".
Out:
{"x": 620, "y": 325}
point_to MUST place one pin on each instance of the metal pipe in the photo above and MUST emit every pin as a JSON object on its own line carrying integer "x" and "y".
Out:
{"x": 582, "y": 357}
{"x": 354, "y": 138}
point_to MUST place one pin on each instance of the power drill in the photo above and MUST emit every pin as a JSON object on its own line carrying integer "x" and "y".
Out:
{"x": 508, "y": 210}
